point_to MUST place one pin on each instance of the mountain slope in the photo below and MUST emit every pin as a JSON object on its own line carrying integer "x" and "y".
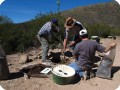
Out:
{"x": 108, "y": 13}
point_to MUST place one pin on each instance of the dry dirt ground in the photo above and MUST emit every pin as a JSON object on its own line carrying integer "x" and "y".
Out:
{"x": 18, "y": 82}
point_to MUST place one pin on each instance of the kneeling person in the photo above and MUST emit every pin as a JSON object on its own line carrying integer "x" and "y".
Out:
{"x": 84, "y": 53}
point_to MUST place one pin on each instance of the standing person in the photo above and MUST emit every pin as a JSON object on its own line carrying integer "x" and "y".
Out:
{"x": 45, "y": 36}
{"x": 84, "y": 54}
{"x": 72, "y": 28}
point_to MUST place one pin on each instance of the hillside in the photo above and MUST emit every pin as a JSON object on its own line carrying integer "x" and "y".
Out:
{"x": 108, "y": 13}
{"x": 104, "y": 17}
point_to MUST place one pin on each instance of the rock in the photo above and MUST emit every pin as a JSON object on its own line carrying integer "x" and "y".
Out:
{"x": 23, "y": 58}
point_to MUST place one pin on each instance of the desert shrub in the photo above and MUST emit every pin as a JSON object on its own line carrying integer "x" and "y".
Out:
{"x": 115, "y": 32}
{"x": 5, "y": 19}
{"x": 98, "y": 29}
{"x": 19, "y": 37}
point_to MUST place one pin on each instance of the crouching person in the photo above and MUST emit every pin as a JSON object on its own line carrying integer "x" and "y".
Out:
{"x": 84, "y": 54}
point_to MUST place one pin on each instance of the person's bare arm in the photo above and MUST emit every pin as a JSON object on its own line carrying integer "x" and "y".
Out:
{"x": 65, "y": 44}
{"x": 110, "y": 47}
{"x": 72, "y": 43}
{"x": 65, "y": 39}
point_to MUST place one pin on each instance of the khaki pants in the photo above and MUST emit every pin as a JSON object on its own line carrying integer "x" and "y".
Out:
{"x": 45, "y": 47}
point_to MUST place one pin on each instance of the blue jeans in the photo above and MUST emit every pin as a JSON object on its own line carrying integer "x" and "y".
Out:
{"x": 77, "y": 69}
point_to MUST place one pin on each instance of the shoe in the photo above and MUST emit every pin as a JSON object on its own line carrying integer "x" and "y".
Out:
{"x": 92, "y": 75}
{"x": 85, "y": 76}
{"x": 88, "y": 75}
{"x": 47, "y": 62}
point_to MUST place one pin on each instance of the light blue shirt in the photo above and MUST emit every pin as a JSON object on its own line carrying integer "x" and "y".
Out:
{"x": 46, "y": 28}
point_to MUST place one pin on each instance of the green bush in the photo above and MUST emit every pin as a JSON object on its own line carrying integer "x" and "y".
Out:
{"x": 101, "y": 30}
{"x": 19, "y": 37}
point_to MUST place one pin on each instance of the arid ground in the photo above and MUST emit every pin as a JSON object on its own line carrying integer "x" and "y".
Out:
{"x": 18, "y": 81}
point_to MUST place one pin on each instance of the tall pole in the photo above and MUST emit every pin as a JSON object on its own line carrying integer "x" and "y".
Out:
{"x": 59, "y": 16}
{"x": 58, "y": 3}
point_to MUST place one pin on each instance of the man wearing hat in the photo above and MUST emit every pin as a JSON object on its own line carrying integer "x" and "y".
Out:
{"x": 45, "y": 36}
{"x": 72, "y": 32}
{"x": 84, "y": 53}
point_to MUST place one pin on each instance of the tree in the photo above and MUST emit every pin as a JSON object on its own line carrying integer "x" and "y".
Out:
{"x": 5, "y": 20}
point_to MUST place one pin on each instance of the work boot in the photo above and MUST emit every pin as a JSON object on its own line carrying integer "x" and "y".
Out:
{"x": 88, "y": 75}
{"x": 85, "y": 76}
{"x": 92, "y": 75}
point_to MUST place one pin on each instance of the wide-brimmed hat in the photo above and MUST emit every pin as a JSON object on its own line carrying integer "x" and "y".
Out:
{"x": 69, "y": 22}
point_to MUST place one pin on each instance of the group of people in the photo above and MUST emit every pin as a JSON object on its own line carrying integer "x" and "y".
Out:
{"x": 83, "y": 49}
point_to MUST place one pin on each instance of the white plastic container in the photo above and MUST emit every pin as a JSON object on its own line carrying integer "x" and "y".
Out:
{"x": 63, "y": 74}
